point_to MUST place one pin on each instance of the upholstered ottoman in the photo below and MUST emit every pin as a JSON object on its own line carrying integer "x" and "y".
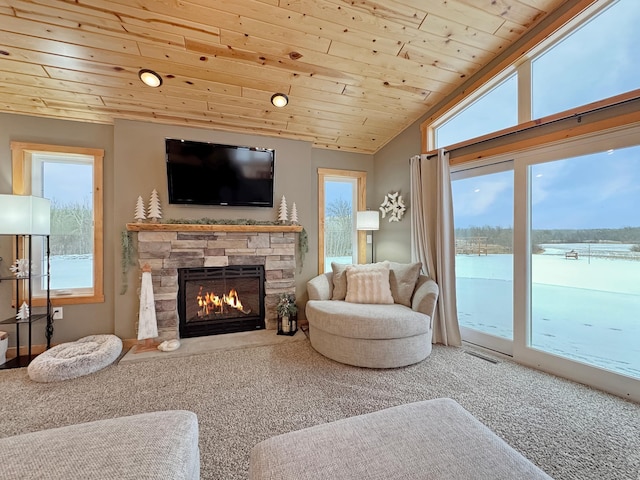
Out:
{"x": 152, "y": 445}
{"x": 433, "y": 439}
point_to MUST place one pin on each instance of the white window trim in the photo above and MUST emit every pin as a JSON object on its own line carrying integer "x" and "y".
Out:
{"x": 620, "y": 137}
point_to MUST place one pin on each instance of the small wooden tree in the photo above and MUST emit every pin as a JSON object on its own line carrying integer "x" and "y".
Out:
{"x": 139, "y": 213}
{"x": 155, "y": 212}
{"x": 23, "y": 312}
{"x": 283, "y": 212}
{"x": 294, "y": 214}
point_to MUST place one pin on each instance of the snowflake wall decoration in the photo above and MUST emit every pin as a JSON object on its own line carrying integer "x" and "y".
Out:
{"x": 20, "y": 268}
{"x": 394, "y": 205}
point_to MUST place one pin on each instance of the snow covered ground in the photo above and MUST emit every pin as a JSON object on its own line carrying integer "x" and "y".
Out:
{"x": 586, "y": 309}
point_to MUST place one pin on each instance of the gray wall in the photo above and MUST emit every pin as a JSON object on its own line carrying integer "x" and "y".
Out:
{"x": 342, "y": 161}
{"x": 134, "y": 165}
{"x": 140, "y": 167}
{"x": 391, "y": 164}
{"x": 79, "y": 320}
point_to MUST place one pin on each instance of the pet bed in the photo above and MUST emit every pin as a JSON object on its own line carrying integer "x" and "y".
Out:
{"x": 75, "y": 359}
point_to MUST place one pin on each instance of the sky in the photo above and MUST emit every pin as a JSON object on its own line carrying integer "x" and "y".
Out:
{"x": 600, "y": 190}
{"x": 338, "y": 190}
{"x": 68, "y": 183}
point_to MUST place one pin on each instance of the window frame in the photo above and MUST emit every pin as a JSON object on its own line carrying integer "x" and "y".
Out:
{"x": 361, "y": 199}
{"x": 607, "y": 119}
{"x": 521, "y": 350}
{"x": 21, "y": 157}
{"x": 546, "y": 38}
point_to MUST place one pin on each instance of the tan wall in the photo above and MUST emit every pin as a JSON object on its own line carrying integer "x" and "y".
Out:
{"x": 79, "y": 320}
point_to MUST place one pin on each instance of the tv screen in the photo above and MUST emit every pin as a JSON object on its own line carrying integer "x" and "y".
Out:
{"x": 202, "y": 173}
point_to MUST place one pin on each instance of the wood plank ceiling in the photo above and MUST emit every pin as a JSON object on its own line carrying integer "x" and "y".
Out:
{"x": 357, "y": 72}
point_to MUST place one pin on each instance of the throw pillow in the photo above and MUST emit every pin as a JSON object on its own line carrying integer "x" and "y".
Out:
{"x": 402, "y": 280}
{"x": 368, "y": 284}
{"x": 339, "y": 281}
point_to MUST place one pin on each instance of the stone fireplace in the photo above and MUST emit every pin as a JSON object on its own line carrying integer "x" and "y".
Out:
{"x": 170, "y": 247}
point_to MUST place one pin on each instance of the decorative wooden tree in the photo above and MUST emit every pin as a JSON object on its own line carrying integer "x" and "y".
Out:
{"x": 294, "y": 214}
{"x": 147, "y": 323}
{"x": 283, "y": 212}
{"x": 155, "y": 212}
{"x": 23, "y": 312}
{"x": 139, "y": 214}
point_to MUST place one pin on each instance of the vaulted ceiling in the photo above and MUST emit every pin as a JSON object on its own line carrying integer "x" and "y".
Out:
{"x": 356, "y": 72}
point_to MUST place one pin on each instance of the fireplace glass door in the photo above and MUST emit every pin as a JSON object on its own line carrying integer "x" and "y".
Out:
{"x": 214, "y": 300}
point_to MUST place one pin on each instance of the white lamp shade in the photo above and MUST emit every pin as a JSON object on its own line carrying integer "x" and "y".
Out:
{"x": 369, "y": 220}
{"x": 24, "y": 215}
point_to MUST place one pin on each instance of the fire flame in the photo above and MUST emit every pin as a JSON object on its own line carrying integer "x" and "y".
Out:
{"x": 212, "y": 303}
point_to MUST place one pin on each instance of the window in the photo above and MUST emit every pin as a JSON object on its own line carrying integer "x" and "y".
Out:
{"x": 341, "y": 193}
{"x": 598, "y": 60}
{"x": 71, "y": 178}
{"x": 573, "y": 297}
{"x": 495, "y": 110}
{"x": 575, "y": 230}
{"x": 592, "y": 59}
{"x": 585, "y": 260}
{"x": 483, "y": 218}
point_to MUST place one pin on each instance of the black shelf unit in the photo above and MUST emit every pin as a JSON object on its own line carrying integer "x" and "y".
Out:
{"x": 23, "y": 292}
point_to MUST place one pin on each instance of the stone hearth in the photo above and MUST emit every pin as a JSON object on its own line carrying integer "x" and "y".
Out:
{"x": 167, "y": 247}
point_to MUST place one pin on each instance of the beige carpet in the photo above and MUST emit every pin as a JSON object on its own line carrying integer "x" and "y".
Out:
{"x": 244, "y": 395}
{"x": 214, "y": 343}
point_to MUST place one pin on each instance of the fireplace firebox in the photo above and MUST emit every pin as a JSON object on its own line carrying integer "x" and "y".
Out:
{"x": 215, "y": 300}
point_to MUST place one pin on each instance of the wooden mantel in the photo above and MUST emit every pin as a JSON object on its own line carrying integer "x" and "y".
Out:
{"x": 196, "y": 227}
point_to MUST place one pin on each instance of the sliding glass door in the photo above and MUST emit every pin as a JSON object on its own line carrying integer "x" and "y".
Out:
{"x": 585, "y": 264}
{"x": 548, "y": 257}
{"x": 483, "y": 218}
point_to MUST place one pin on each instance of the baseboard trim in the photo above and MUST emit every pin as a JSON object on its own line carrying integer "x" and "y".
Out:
{"x": 35, "y": 350}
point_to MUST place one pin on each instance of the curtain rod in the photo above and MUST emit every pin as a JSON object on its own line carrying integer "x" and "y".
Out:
{"x": 538, "y": 123}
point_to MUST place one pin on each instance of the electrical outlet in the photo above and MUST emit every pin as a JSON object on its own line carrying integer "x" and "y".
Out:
{"x": 57, "y": 313}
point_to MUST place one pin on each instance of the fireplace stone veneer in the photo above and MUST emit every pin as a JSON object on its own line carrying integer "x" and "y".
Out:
{"x": 167, "y": 247}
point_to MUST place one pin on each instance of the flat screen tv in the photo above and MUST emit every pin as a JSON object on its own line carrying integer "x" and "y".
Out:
{"x": 202, "y": 173}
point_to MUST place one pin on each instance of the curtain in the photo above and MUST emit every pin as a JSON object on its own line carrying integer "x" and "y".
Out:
{"x": 433, "y": 240}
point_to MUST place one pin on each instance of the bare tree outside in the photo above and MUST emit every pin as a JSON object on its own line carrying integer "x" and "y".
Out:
{"x": 71, "y": 228}
{"x": 339, "y": 229}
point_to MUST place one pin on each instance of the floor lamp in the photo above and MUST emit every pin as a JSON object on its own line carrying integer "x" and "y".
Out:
{"x": 25, "y": 215}
{"x": 369, "y": 220}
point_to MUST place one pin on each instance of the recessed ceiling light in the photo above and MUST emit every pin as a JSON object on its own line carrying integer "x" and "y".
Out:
{"x": 150, "y": 78}
{"x": 279, "y": 100}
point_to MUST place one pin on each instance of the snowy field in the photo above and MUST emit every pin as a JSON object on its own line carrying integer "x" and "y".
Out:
{"x": 586, "y": 309}
{"x": 69, "y": 271}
